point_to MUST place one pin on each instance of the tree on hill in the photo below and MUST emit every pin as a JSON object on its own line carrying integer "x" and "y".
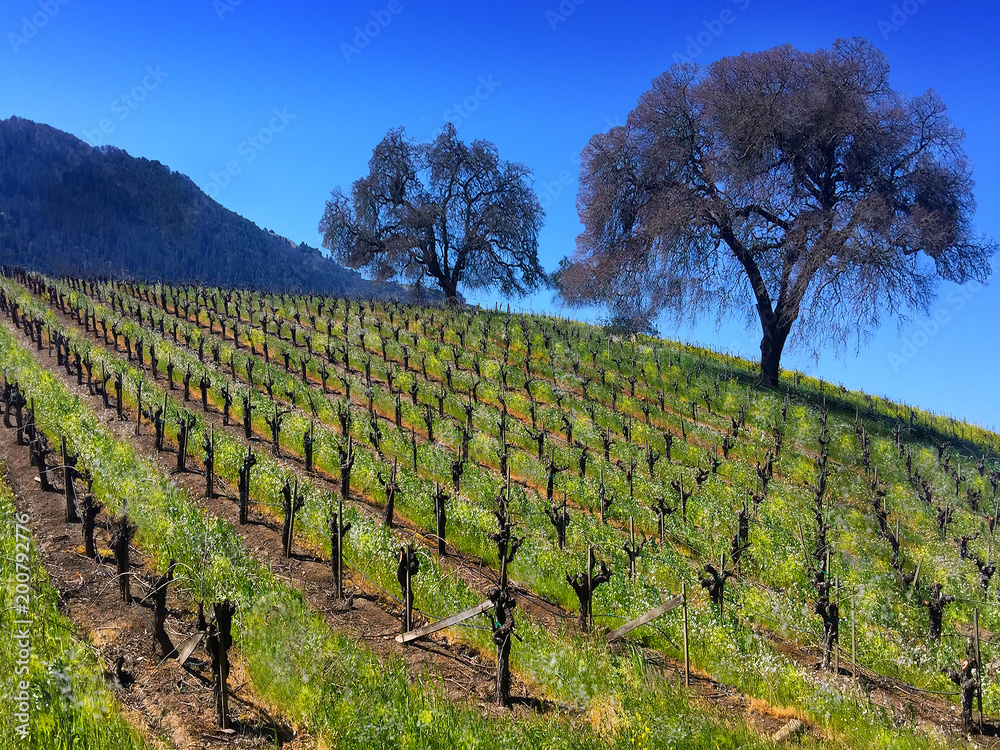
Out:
{"x": 796, "y": 185}
{"x": 445, "y": 209}
{"x": 68, "y": 208}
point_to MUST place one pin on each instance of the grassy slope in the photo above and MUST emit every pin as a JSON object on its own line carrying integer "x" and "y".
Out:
{"x": 62, "y": 678}
{"x": 317, "y": 677}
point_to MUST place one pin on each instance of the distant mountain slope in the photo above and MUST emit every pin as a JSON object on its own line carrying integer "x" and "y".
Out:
{"x": 66, "y": 207}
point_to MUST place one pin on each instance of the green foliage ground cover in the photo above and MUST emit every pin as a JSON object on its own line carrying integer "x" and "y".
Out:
{"x": 321, "y": 680}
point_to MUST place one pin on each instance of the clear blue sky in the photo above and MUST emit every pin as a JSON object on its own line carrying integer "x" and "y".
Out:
{"x": 193, "y": 83}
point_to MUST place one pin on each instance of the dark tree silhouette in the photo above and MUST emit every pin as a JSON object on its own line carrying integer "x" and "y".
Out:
{"x": 796, "y": 184}
{"x": 445, "y": 209}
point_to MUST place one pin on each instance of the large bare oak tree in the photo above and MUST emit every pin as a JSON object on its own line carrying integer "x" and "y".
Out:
{"x": 444, "y": 209}
{"x": 798, "y": 186}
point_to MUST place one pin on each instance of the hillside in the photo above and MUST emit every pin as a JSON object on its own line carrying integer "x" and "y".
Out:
{"x": 66, "y": 207}
{"x": 825, "y": 556}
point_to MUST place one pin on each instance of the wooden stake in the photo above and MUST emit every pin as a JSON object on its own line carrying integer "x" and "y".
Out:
{"x": 446, "y": 622}
{"x": 836, "y": 653}
{"x": 631, "y": 532}
{"x": 407, "y": 614}
{"x": 605, "y": 489}
{"x": 802, "y": 541}
{"x": 590, "y": 584}
{"x": 979, "y": 668}
{"x": 854, "y": 643}
{"x": 687, "y": 662}
{"x": 69, "y": 490}
{"x": 722, "y": 594}
{"x": 340, "y": 547}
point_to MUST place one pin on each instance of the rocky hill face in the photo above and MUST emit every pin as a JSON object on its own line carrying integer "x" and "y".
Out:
{"x": 66, "y": 207}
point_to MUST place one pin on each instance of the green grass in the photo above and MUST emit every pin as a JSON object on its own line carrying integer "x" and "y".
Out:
{"x": 775, "y": 593}
{"x": 318, "y": 678}
{"x": 53, "y": 671}
{"x": 724, "y": 647}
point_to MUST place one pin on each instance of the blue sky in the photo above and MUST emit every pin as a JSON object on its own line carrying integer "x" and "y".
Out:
{"x": 268, "y": 106}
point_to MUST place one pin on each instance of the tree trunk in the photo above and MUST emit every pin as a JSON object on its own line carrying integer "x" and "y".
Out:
{"x": 390, "y": 501}
{"x": 772, "y": 344}
{"x": 450, "y": 290}
{"x": 159, "y": 595}
{"x": 503, "y": 671}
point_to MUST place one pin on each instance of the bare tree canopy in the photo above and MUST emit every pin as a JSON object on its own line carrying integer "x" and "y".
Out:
{"x": 444, "y": 209}
{"x": 797, "y": 185}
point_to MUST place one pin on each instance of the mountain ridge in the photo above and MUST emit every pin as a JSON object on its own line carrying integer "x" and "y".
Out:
{"x": 70, "y": 208}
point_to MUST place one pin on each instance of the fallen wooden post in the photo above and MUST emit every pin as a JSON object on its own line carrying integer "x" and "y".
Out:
{"x": 651, "y": 615}
{"x": 447, "y": 622}
{"x": 191, "y": 644}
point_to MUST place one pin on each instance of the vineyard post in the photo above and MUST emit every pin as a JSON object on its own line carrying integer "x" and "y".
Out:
{"x": 590, "y": 586}
{"x": 138, "y": 407}
{"x": 219, "y": 643}
{"x": 854, "y": 642}
{"x": 407, "y": 613}
{"x": 684, "y": 614}
{"x": 439, "y": 500}
{"x": 979, "y": 668}
{"x": 340, "y": 545}
{"x": 68, "y": 488}
{"x": 836, "y": 653}
{"x": 631, "y": 531}
{"x": 722, "y": 572}
{"x": 210, "y": 466}
{"x": 603, "y": 504}
{"x": 159, "y": 594}
{"x": 119, "y": 384}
